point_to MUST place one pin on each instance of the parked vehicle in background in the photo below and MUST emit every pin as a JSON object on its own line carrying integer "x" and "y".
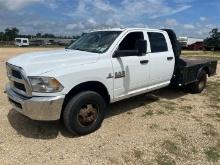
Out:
{"x": 36, "y": 42}
{"x": 51, "y": 41}
{"x": 21, "y": 42}
{"x": 196, "y": 46}
{"x": 77, "y": 83}
{"x": 191, "y": 43}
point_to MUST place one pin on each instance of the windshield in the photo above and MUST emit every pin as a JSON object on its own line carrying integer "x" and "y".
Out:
{"x": 96, "y": 42}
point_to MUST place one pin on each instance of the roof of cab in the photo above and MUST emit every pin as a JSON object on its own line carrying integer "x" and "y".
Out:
{"x": 126, "y": 29}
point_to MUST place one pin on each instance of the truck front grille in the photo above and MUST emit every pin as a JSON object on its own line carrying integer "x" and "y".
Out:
{"x": 16, "y": 74}
{"x": 20, "y": 86}
{"x": 18, "y": 80}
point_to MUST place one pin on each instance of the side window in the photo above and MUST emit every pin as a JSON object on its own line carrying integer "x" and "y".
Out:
{"x": 18, "y": 40}
{"x": 129, "y": 42}
{"x": 158, "y": 42}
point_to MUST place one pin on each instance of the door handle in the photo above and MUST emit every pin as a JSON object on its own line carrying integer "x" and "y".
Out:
{"x": 169, "y": 58}
{"x": 144, "y": 61}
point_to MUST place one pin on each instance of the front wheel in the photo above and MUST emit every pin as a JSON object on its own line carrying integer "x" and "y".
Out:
{"x": 200, "y": 84}
{"x": 84, "y": 113}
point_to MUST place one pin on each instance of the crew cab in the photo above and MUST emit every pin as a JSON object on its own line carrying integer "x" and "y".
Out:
{"x": 77, "y": 83}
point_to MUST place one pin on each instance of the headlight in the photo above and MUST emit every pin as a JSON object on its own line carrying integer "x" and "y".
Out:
{"x": 45, "y": 84}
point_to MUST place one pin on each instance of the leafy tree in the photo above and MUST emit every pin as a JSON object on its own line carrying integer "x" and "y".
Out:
{"x": 213, "y": 41}
{"x": 2, "y": 35}
{"x": 11, "y": 33}
{"x": 38, "y": 35}
{"x": 214, "y": 33}
{"x": 46, "y": 35}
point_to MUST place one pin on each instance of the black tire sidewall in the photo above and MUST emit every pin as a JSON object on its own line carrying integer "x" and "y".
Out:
{"x": 73, "y": 107}
{"x": 200, "y": 78}
{"x": 195, "y": 86}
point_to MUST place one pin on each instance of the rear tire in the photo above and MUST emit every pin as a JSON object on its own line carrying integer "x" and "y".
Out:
{"x": 84, "y": 113}
{"x": 200, "y": 84}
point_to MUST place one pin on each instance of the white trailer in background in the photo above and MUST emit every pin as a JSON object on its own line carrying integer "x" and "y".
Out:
{"x": 187, "y": 41}
{"x": 21, "y": 42}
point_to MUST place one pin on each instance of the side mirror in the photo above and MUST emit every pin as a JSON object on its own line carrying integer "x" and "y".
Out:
{"x": 141, "y": 46}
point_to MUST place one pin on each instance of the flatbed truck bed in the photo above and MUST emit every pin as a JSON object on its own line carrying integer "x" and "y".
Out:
{"x": 188, "y": 69}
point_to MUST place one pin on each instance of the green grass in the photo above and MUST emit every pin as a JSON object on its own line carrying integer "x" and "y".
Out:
{"x": 45, "y": 46}
{"x": 215, "y": 115}
{"x": 154, "y": 126}
{"x": 168, "y": 105}
{"x": 213, "y": 92}
{"x": 213, "y": 154}
{"x": 186, "y": 109}
{"x": 8, "y": 46}
{"x": 215, "y": 106}
{"x": 201, "y": 53}
{"x": 171, "y": 147}
{"x": 210, "y": 130}
{"x": 138, "y": 154}
{"x": 182, "y": 138}
{"x": 165, "y": 160}
{"x": 148, "y": 113}
{"x": 160, "y": 112}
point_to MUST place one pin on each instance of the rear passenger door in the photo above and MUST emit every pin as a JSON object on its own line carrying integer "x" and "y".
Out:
{"x": 162, "y": 59}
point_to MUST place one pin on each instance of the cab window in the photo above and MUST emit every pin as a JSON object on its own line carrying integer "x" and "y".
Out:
{"x": 18, "y": 40}
{"x": 157, "y": 42}
{"x": 129, "y": 42}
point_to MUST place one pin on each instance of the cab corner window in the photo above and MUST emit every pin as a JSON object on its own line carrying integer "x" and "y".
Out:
{"x": 129, "y": 42}
{"x": 158, "y": 42}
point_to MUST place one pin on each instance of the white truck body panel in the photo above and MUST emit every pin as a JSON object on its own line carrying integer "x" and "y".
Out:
{"x": 161, "y": 69}
{"x": 72, "y": 67}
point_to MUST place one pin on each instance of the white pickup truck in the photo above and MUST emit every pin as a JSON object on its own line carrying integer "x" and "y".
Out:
{"x": 101, "y": 67}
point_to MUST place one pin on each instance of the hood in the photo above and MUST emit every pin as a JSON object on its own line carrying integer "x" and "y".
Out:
{"x": 38, "y": 63}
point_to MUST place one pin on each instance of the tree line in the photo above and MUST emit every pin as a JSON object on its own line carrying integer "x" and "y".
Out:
{"x": 213, "y": 41}
{"x": 11, "y": 33}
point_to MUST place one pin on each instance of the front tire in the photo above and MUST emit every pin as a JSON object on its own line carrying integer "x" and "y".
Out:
{"x": 199, "y": 86}
{"x": 84, "y": 113}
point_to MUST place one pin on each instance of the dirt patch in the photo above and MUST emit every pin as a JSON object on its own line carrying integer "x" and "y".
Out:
{"x": 169, "y": 127}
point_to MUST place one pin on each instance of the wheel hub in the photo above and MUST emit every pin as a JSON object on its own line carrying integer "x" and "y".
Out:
{"x": 87, "y": 115}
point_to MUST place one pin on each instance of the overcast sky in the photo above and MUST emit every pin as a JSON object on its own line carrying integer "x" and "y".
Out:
{"x": 67, "y": 17}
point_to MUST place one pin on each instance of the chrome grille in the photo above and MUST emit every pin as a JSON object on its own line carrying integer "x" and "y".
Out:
{"x": 16, "y": 74}
{"x": 18, "y": 80}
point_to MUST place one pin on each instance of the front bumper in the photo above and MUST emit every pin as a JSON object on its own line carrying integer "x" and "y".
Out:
{"x": 36, "y": 108}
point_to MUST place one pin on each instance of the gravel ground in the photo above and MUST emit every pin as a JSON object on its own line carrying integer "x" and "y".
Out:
{"x": 168, "y": 127}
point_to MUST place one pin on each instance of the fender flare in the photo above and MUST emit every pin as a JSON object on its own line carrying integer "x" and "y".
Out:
{"x": 205, "y": 68}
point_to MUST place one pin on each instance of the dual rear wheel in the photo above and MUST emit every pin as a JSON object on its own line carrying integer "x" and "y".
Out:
{"x": 200, "y": 84}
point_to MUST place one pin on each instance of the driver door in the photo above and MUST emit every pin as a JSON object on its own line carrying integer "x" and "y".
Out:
{"x": 131, "y": 73}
